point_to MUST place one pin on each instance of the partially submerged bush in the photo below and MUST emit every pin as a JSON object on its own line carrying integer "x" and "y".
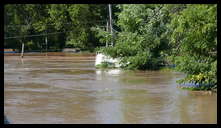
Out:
{"x": 202, "y": 81}
{"x": 139, "y": 44}
{"x": 105, "y": 65}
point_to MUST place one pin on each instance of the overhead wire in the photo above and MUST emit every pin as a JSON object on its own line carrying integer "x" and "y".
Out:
{"x": 36, "y": 35}
{"x": 43, "y": 34}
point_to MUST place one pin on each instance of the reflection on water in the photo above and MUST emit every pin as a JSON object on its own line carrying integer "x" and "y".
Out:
{"x": 72, "y": 90}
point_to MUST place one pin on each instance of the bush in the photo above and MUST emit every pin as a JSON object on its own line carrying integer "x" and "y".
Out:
{"x": 105, "y": 65}
{"x": 195, "y": 40}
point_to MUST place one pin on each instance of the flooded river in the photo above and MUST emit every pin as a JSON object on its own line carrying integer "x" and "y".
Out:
{"x": 72, "y": 90}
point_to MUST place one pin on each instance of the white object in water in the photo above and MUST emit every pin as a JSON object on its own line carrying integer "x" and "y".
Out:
{"x": 103, "y": 58}
{"x": 114, "y": 72}
{"x": 99, "y": 58}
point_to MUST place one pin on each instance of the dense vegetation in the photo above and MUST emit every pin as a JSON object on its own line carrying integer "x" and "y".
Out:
{"x": 141, "y": 43}
{"x": 195, "y": 38}
{"x": 145, "y": 36}
{"x": 155, "y": 35}
{"x": 66, "y": 25}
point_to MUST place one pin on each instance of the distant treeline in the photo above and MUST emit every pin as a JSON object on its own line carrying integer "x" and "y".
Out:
{"x": 64, "y": 25}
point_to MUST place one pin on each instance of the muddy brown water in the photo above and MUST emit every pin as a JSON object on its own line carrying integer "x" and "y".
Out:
{"x": 72, "y": 90}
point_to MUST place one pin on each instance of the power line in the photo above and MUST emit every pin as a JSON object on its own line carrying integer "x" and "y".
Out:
{"x": 88, "y": 22}
{"x": 35, "y": 35}
{"x": 25, "y": 36}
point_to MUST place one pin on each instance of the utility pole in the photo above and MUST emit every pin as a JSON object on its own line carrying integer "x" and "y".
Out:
{"x": 22, "y": 50}
{"x": 46, "y": 42}
{"x": 111, "y": 30}
{"x": 107, "y": 31}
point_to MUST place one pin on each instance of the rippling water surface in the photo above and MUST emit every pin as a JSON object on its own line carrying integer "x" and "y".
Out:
{"x": 72, "y": 90}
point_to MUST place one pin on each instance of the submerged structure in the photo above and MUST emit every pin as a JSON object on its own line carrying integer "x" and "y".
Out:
{"x": 101, "y": 58}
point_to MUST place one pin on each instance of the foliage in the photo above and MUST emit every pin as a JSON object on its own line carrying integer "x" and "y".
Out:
{"x": 105, "y": 65}
{"x": 155, "y": 35}
{"x": 73, "y": 21}
{"x": 204, "y": 88}
{"x": 14, "y": 15}
{"x": 195, "y": 35}
{"x": 194, "y": 41}
{"x": 102, "y": 35}
{"x": 141, "y": 39}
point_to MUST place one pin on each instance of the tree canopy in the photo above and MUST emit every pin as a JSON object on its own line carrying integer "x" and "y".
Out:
{"x": 71, "y": 21}
{"x": 194, "y": 37}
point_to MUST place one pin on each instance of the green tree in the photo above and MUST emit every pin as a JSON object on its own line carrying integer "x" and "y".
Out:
{"x": 18, "y": 22}
{"x": 141, "y": 41}
{"x": 194, "y": 41}
{"x": 78, "y": 19}
{"x": 74, "y": 20}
